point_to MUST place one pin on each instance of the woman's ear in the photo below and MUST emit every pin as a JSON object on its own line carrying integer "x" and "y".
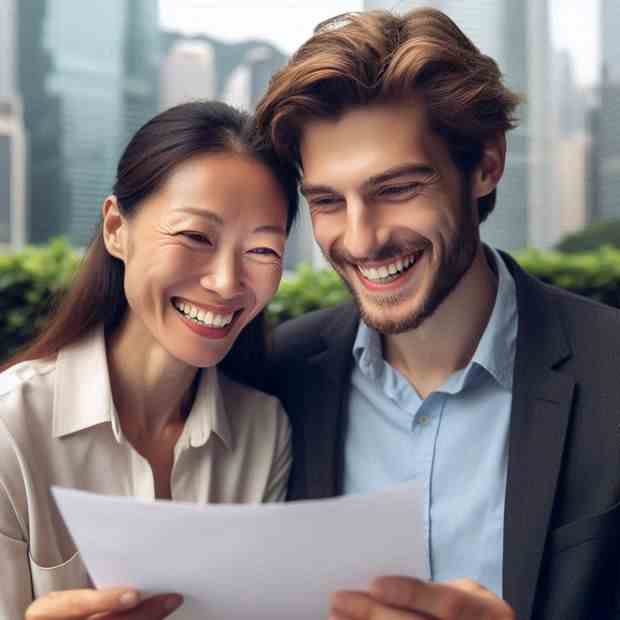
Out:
{"x": 114, "y": 228}
{"x": 491, "y": 167}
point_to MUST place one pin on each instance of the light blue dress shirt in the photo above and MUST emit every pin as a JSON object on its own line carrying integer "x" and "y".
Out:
{"x": 455, "y": 441}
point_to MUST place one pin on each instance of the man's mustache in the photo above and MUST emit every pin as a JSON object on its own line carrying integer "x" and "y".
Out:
{"x": 385, "y": 252}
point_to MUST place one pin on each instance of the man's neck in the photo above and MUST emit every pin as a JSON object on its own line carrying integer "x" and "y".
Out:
{"x": 447, "y": 340}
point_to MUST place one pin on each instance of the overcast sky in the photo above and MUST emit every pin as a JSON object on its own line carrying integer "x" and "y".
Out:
{"x": 288, "y": 23}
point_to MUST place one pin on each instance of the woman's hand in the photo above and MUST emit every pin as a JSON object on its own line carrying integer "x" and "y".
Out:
{"x": 108, "y": 604}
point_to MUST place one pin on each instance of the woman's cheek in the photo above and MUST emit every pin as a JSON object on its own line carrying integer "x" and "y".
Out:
{"x": 268, "y": 280}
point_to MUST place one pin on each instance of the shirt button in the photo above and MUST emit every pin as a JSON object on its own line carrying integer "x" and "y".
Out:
{"x": 423, "y": 420}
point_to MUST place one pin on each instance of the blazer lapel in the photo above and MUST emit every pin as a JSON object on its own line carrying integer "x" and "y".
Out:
{"x": 324, "y": 419}
{"x": 542, "y": 399}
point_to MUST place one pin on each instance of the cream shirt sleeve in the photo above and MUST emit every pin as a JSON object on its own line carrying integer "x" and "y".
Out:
{"x": 282, "y": 460}
{"x": 16, "y": 589}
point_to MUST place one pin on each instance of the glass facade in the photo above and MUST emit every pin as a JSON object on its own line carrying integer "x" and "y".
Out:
{"x": 6, "y": 183}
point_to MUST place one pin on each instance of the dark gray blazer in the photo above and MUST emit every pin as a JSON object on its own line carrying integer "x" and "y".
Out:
{"x": 562, "y": 520}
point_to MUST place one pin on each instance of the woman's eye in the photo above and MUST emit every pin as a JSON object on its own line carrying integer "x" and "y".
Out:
{"x": 264, "y": 251}
{"x": 196, "y": 237}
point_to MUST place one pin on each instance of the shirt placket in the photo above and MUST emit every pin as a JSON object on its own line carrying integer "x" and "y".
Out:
{"x": 424, "y": 431}
{"x": 141, "y": 475}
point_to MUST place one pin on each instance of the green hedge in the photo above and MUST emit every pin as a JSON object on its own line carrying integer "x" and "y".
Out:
{"x": 594, "y": 274}
{"x": 29, "y": 282}
{"x": 31, "y": 278}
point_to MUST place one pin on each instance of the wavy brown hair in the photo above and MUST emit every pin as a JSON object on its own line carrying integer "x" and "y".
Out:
{"x": 97, "y": 295}
{"x": 357, "y": 59}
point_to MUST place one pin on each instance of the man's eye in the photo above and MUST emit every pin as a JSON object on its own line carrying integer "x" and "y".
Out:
{"x": 399, "y": 190}
{"x": 324, "y": 202}
{"x": 196, "y": 237}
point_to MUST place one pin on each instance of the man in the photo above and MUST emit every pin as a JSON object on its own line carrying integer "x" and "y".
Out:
{"x": 452, "y": 366}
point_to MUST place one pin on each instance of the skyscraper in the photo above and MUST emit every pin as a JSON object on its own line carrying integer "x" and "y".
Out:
{"x": 609, "y": 114}
{"x": 249, "y": 79}
{"x": 46, "y": 198}
{"x": 87, "y": 74}
{"x": 12, "y": 136}
{"x": 188, "y": 72}
{"x": 516, "y": 34}
{"x": 572, "y": 148}
{"x": 104, "y": 72}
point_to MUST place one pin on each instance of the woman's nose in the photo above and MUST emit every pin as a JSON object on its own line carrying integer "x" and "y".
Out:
{"x": 223, "y": 276}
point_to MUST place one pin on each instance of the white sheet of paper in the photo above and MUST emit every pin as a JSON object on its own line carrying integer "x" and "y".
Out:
{"x": 249, "y": 562}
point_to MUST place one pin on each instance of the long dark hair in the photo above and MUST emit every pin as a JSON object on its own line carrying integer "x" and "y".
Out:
{"x": 97, "y": 295}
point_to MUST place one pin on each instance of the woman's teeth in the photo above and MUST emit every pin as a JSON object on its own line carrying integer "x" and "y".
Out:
{"x": 209, "y": 319}
{"x": 377, "y": 274}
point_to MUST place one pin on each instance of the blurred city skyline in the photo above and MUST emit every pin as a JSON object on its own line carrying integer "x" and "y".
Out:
{"x": 77, "y": 80}
{"x": 288, "y": 23}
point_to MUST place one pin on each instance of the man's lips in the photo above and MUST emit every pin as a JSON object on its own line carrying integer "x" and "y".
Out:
{"x": 389, "y": 274}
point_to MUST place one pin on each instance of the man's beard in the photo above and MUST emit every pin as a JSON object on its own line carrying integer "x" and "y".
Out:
{"x": 459, "y": 258}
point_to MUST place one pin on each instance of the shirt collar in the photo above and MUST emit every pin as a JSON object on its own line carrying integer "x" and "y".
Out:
{"x": 496, "y": 348}
{"x": 82, "y": 393}
{"x": 208, "y": 413}
{"x": 83, "y": 397}
{"x": 368, "y": 350}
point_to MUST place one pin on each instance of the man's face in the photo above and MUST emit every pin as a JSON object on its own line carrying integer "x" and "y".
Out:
{"x": 390, "y": 211}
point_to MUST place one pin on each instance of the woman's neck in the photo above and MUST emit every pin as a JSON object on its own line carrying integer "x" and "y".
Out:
{"x": 152, "y": 390}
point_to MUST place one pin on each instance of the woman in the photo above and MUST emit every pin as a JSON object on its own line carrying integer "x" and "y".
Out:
{"x": 120, "y": 394}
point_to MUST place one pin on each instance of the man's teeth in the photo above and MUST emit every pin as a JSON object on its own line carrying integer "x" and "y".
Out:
{"x": 385, "y": 271}
{"x": 210, "y": 319}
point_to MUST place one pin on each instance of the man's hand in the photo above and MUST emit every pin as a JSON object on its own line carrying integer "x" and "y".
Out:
{"x": 108, "y": 604}
{"x": 404, "y": 598}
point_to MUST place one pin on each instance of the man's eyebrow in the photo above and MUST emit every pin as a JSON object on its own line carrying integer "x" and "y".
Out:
{"x": 309, "y": 190}
{"x": 400, "y": 171}
{"x": 387, "y": 175}
{"x": 217, "y": 219}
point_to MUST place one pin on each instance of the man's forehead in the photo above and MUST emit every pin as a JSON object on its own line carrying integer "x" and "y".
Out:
{"x": 365, "y": 142}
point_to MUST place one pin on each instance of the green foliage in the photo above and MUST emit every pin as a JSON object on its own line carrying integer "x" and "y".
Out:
{"x": 606, "y": 232}
{"x": 594, "y": 274}
{"x": 32, "y": 278}
{"x": 306, "y": 290}
{"x": 29, "y": 281}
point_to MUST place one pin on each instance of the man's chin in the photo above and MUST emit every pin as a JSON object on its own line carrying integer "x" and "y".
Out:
{"x": 390, "y": 321}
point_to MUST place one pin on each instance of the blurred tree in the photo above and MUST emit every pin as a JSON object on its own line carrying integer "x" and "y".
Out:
{"x": 606, "y": 232}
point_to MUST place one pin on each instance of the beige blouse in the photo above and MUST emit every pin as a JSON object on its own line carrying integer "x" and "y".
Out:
{"x": 58, "y": 426}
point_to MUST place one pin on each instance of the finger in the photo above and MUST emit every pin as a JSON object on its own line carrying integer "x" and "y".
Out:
{"x": 361, "y": 606}
{"x": 457, "y": 600}
{"x": 154, "y": 608}
{"x": 77, "y": 604}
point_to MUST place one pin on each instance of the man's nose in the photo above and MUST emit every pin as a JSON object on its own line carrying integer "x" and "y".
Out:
{"x": 223, "y": 275}
{"x": 361, "y": 234}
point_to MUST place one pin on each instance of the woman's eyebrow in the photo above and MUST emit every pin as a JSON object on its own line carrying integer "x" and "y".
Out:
{"x": 217, "y": 219}
{"x": 271, "y": 228}
{"x": 209, "y": 215}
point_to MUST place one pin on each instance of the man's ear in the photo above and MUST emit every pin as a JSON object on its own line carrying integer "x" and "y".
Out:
{"x": 114, "y": 228}
{"x": 491, "y": 167}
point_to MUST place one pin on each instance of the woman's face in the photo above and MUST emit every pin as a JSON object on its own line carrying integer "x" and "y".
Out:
{"x": 203, "y": 255}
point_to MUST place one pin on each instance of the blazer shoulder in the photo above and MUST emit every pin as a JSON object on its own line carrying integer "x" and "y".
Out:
{"x": 303, "y": 337}
{"x": 584, "y": 315}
